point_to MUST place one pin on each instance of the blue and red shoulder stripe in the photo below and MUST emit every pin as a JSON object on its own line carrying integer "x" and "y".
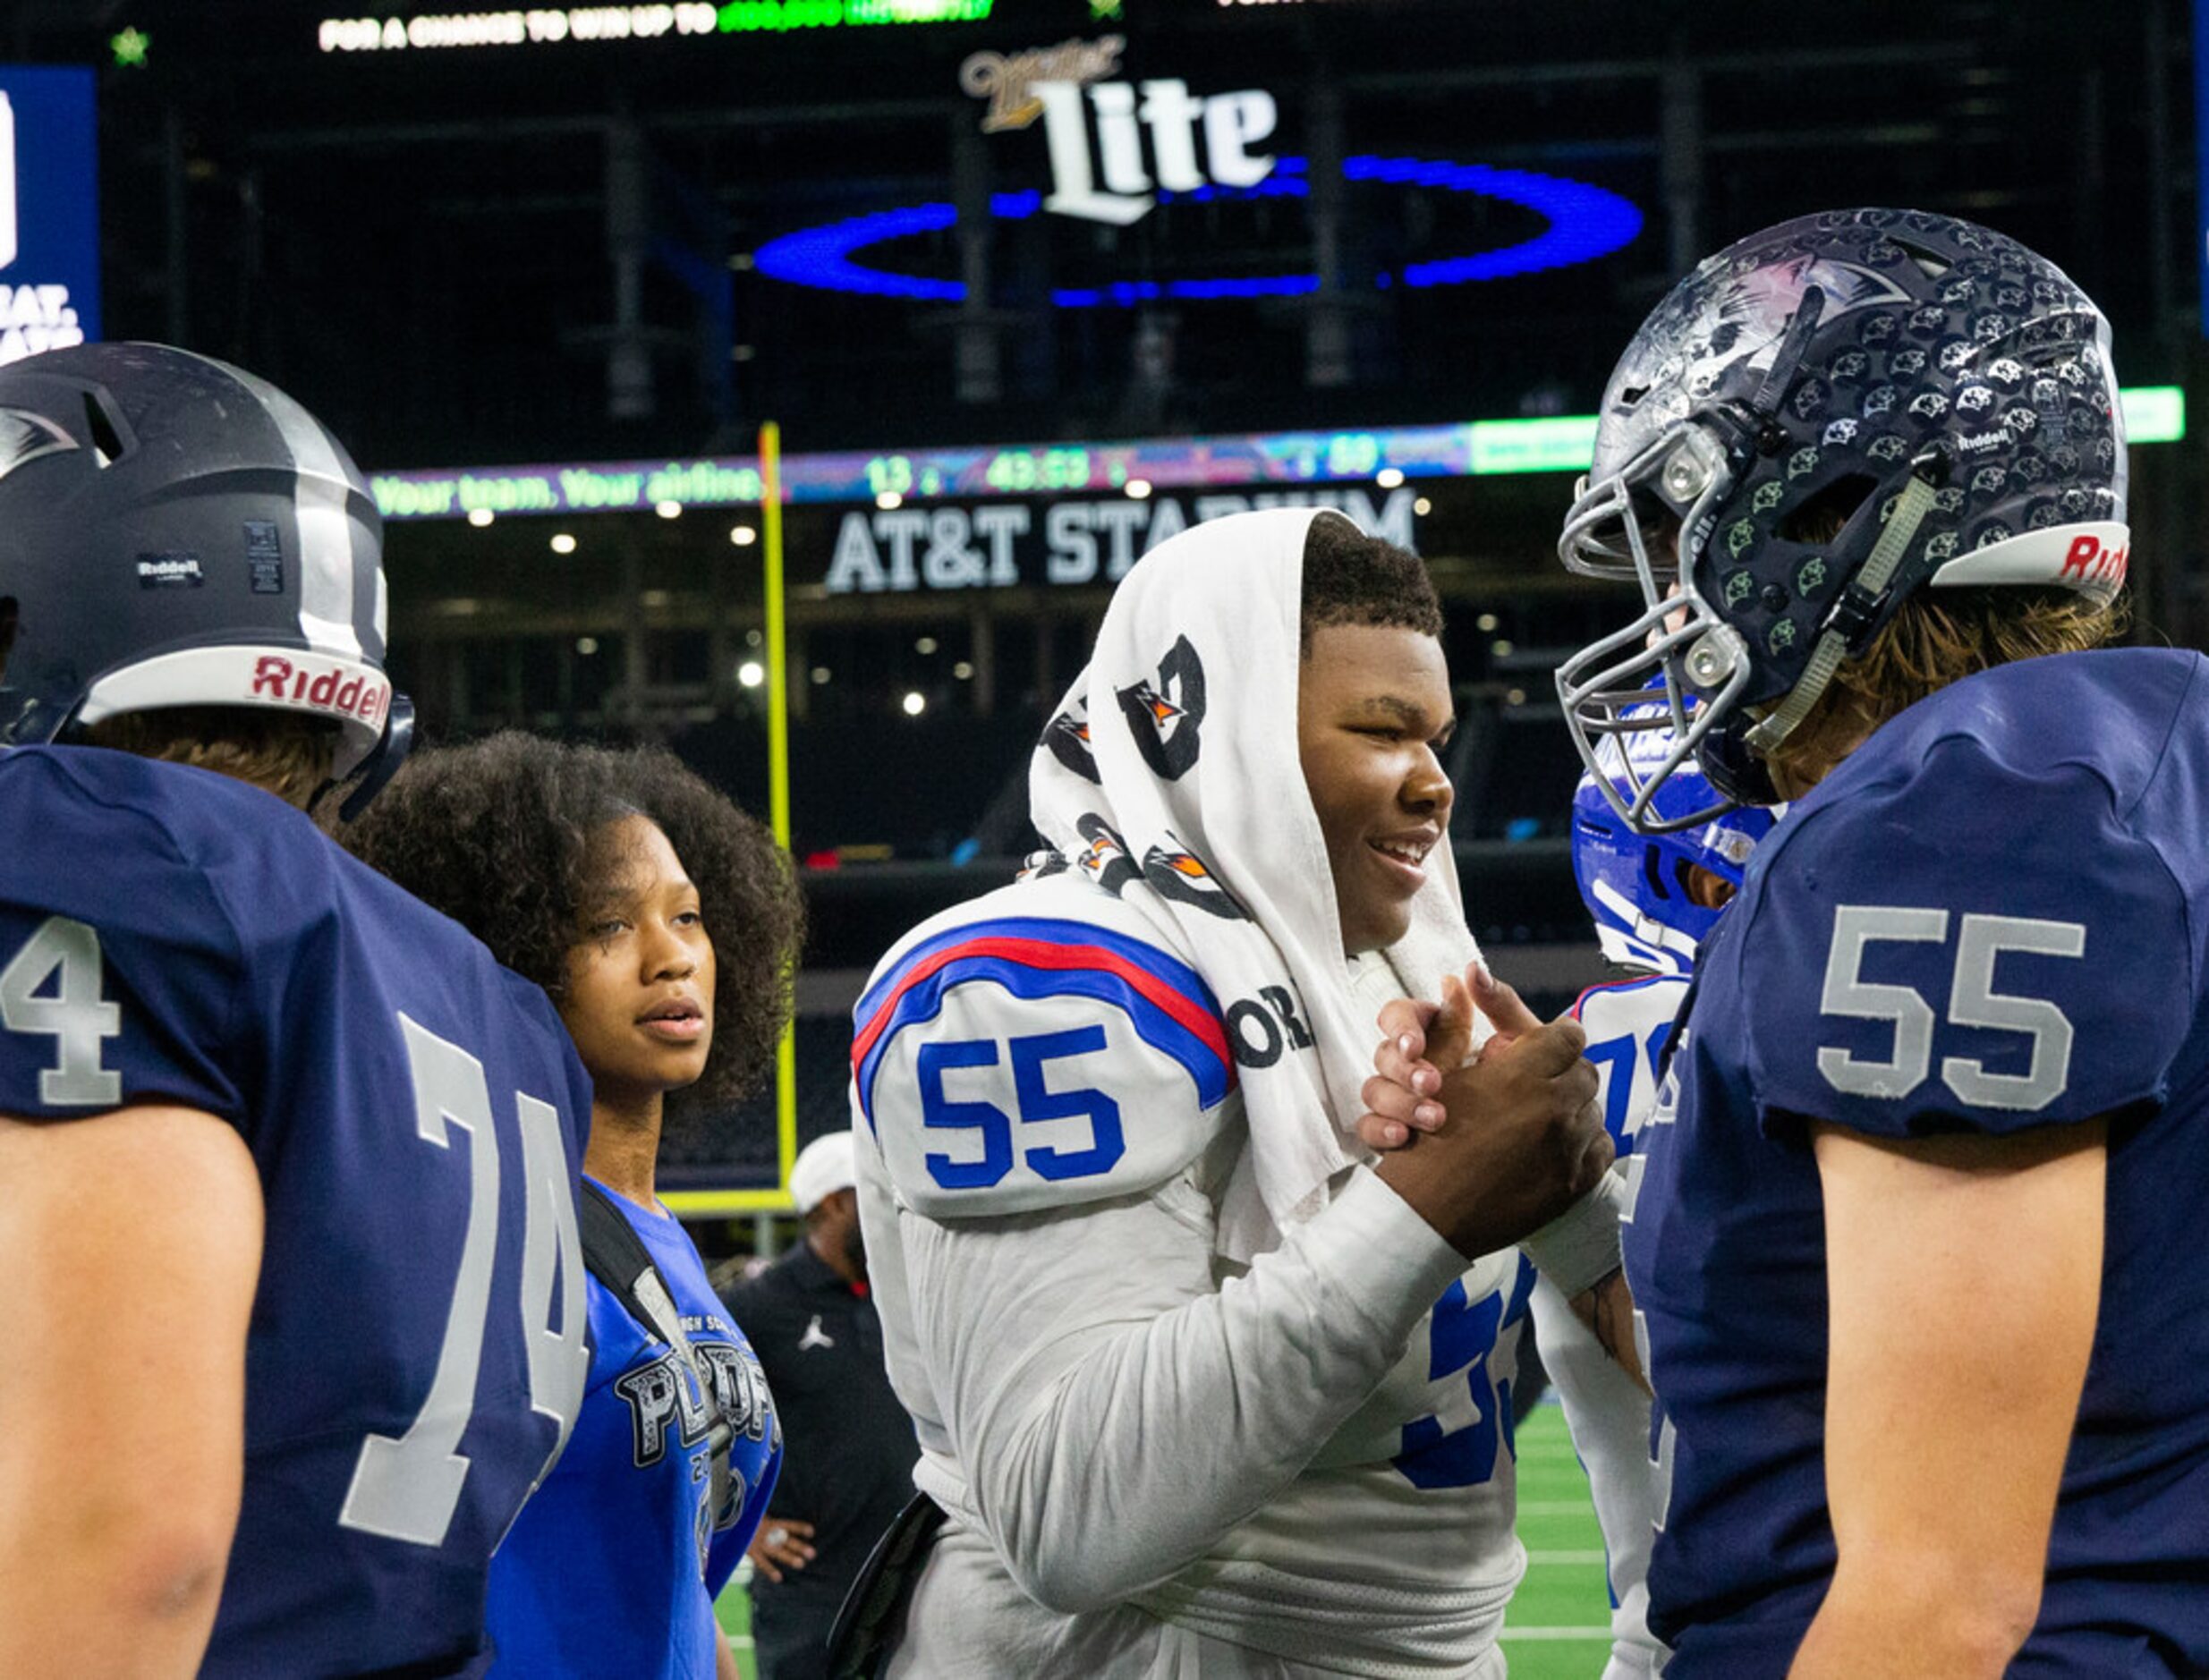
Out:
{"x": 1631, "y": 983}
{"x": 1165, "y": 1000}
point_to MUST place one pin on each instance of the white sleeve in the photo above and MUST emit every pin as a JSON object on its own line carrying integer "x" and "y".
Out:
{"x": 1607, "y": 1411}
{"x": 1609, "y": 1416}
{"x": 1115, "y": 1410}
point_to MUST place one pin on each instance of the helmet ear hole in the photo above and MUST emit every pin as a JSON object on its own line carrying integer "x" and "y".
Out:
{"x": 1822, "y": 517}
{"x": 1684, "y": 880}
{"x": 100, "y": 427}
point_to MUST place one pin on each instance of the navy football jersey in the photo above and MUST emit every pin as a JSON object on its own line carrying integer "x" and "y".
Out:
{"x": 416, "y": 1352}
{"x": 1991, "y": 917}
{"x": 614, "y": 1567}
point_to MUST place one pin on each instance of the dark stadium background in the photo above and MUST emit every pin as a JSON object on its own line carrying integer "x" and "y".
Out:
{"x": 478, "y": 257}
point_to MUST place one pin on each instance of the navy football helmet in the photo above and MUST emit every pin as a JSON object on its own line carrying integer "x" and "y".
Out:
{"x": 176, "y": 532}
{"x": 1933, "y": 388}
{"x": 1634, "y": 884}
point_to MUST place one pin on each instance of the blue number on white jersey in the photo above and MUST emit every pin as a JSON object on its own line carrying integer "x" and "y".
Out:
{"x": 1037, "y": 1102}
{"x": 1002, "y": 1064}
{"x": 1459, "y": 1446}
{"x": 1629, "y": 1023}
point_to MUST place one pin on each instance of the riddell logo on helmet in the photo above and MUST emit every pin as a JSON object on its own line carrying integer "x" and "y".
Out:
{"x": 2087, "y": 561}
{"x": 320, "y": 688}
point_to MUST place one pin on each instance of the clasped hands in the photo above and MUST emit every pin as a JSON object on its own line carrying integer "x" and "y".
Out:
{"x": 1486, "y": 1148}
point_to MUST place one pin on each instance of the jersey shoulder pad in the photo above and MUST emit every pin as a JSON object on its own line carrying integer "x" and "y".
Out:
{"x": 1638, "y": 1005}
{"x": 1010, "y": 1057}
{"x": 1936, "y": 945}
{"x": 121, "y": 966}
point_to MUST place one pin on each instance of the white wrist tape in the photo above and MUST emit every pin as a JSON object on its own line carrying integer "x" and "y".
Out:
{"x": 1579, "y": 1248}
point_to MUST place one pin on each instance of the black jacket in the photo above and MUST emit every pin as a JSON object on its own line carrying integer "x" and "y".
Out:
{"x": 849, "y": 1446}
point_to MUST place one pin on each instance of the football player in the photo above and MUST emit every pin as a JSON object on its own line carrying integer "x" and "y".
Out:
{"x": 1199, "y": 1391}
{"x": 1913, "y": 1247}
{"x": 293, "y": 1284}
{"x": 1654, "y": 898}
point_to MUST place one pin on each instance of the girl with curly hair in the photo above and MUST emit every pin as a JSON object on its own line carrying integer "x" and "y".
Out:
{"x": 663, "y": 922}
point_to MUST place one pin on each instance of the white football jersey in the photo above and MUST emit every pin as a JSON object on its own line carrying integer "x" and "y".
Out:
{"x": 1156, "y": 1462}
{"x": 1628, "y": 1024}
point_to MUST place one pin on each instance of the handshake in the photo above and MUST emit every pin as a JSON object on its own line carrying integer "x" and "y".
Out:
{"x": 1489, "y": 1149}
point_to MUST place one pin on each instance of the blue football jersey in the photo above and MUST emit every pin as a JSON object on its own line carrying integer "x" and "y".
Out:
{"x": 614, "y": 1565}
{"x": 1991, "y": 916}
{"x": 416, "y": 1352}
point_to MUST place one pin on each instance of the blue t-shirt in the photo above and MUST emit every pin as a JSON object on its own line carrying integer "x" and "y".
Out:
{"x": 614, "y": 1565}
{"x": 1991, "y": 917}
{"x": 415, "y": 1113}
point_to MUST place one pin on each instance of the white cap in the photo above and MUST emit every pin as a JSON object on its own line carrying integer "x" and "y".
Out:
{"x": 823, "y": 1167}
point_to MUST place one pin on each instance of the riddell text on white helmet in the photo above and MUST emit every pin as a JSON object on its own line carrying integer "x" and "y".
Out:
{"x": 312, "y": 685}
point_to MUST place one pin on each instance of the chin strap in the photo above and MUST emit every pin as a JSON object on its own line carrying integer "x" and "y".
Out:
{"x": 1852, "y": 615}
{"x": 380, "y": 764}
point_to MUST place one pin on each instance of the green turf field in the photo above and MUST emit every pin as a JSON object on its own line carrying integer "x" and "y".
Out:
{"x": 1559, "y": 1627}
{"x": 1559, "y": 1624}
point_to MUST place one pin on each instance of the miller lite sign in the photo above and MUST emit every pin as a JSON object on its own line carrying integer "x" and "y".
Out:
{"x": 1114, "y": 144}
{"x": 1231, "y": 123}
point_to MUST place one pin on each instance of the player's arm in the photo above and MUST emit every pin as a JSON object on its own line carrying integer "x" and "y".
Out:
{"x": 130, "y": 1245}
{"x": 1607, "y": 1311}
{"x": 1964, "y": 1274}
{"x": 1115, "y": 1412}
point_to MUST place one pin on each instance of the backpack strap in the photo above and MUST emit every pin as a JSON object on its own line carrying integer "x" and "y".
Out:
{"x": 616, "y": 1255}
{"x": 872, "y": 1617}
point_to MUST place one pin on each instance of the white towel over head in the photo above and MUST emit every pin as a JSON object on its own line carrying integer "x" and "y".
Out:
{"x": 1171, "y": 776}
